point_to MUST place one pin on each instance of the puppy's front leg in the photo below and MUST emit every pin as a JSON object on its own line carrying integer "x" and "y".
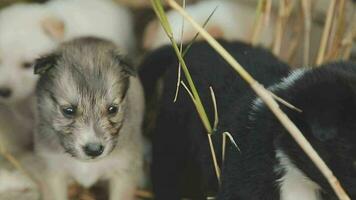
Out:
{"x": 55, "y": 186}
{"x": 122, "y": 187}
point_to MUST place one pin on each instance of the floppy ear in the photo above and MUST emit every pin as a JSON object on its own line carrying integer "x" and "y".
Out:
{"x": 126, "y": 64}
{"x": 154, "y": 66}
{"x": 53, "y": 27}
{"x": 127, "y": 69}
{"x": 43, "y": 64}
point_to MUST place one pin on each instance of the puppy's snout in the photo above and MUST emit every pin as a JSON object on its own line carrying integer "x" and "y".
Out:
{"x": 5, "y": 92}
{"x": 93, "y": 149}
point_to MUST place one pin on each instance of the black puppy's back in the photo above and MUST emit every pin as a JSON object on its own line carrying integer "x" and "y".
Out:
{"x": 182, "y": 163}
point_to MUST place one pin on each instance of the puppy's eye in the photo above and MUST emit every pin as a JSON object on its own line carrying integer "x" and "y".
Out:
{"x": 26, "y": 65}
{"x": 113, "y": 110}
{"x": 69, "y": 111}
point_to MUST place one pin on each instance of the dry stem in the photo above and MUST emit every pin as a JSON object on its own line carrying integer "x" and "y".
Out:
{"x": 348, "y": 40}
{"x": 285, "y": 9}
{"x": 306, "y": 7}
{"x": 261, "y": 21}
{"x": 294, "y": 43}
{"x": 326, "y": 33}
{"x": 338, "y": 29}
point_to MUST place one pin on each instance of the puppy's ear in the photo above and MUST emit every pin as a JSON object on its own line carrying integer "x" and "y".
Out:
{"x": 43, "y": 64}
{"x": 127, "y": 70}
{"x": 216, "y": 31}
{"x": 324, "y": 134}
{"x": 154, "y": 66}
{"x": 126, "y": 64}
{"x": 53, "y": 27}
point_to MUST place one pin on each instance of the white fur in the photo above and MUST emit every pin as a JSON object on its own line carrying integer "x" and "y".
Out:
{"x": 282, "y": 85}
{"x": 289, "y": 80}
{"x": 88, "y": 172}
{"x": 21, "y": 40}
{"x": 100, "y": 18}
{"x": 294, "y": 185}
{"x": 234, "y": 20}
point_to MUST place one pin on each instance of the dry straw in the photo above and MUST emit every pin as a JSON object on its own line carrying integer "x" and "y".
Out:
{"x": 326, "y": 33}
{"x": 263, "y": 16}
{"x": 346, "y": 43}
{"x": 284, "y": 12}
{"x": 267, "y": 98}
{"x": 337, "y": 31}
{"x": 306, "y": 8}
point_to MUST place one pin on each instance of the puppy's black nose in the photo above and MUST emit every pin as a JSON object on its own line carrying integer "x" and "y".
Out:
{"x": 5, "y": 92}
{"x": 93, "y": 149}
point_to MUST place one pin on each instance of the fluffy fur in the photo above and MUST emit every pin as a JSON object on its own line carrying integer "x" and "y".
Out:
{"x": 231, "y": 21}
{"x": 182, "y": 165}
{"x": 271, "y": 165}
{"x": 89, "y": 76}
{"x": 30, "y": 30}
{"x": 99, "y": 18}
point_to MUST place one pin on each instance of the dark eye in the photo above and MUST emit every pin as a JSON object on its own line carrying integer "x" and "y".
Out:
{"x": 26, "y": 65}
{"x": 69, "y": 111}
{"x": 112, "y": 110}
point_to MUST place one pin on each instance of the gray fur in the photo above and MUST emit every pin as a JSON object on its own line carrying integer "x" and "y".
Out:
{"x": 89, "y": 75}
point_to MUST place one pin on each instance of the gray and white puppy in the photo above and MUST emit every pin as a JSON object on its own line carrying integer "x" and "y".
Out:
{"x": 90, "y": 110}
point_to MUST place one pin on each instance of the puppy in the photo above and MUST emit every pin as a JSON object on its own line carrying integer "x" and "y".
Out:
{"x": 90, "y": 110}
{"x": 30, "y": 30}
{"x": 182, "y": 165}
{"x": 98, "y": 18}
{"x": 271, "y": 165}
{"x": 230, "y": 21}
{"x": 17, "y": 82}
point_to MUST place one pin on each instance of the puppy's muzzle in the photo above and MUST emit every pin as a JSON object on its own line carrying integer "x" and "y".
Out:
{"x": 93, "y": 149}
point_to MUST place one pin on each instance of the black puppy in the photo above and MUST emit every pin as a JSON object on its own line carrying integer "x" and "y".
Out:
{"x": 271, "y": 165}
{"x": 182, "y": 165}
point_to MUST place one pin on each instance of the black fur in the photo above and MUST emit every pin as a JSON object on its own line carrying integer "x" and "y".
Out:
{"x": 43, "y": 64}
{"x": 182, "y": 165}
{"x": 327, "y": 96}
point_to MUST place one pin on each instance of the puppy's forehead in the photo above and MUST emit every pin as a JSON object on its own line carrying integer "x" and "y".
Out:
{"x": 92, "y": 55}
{"x": 88, "y": 69}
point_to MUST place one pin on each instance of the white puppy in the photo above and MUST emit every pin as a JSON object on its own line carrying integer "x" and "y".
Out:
{"x": 99, "y": 18}
{"x": 23, "y": 37}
